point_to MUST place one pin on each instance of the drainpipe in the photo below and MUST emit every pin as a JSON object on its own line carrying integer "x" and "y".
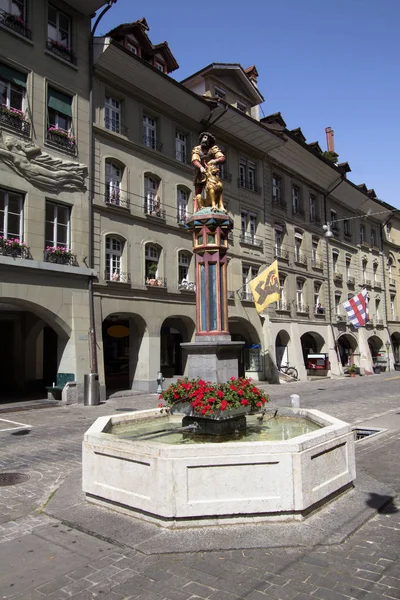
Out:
{"x": 92, "y": 328}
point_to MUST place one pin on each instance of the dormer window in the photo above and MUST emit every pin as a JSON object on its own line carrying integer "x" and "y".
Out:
{"x": 132, "y": 48}
{"x": 219, "y": 93}
{"x": 160, "y": 66}
{"x": 242, "y": 107}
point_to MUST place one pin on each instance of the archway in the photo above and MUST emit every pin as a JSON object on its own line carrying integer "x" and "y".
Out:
{"x": 375, "y": 344}
{"x": 122, "y": 337}
{"x": 33, "y": 342}
{"x": 395, "y": 339}
{"x": 311, "y": 343}
{"x": 282, "y": 343}
{"x": 250, "y": 358}
{"x": 174, "y": 331}
{"x": 347, "y": 346}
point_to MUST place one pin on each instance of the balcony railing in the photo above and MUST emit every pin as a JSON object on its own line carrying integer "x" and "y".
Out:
{"x": 367, "y": 282}
{"x": 250, "y": 239}
{"x": 181, "y": 217}
{"x": 378, "y": 285}
{"x": 182, "y": 156}
{"x": 60, "y": 257}
{"x": 379, "y": 322}
{"x": 392, "y": 283}
{"x": 158, "y": 282}
{"x": 279, "y": 202}
{"x": 335, "y": 227}
{"x": 115, "y": 126}
{"x": 351, "y": 281}
{"x": 15, "y": 251}
{"x": 225, "y": 176}
{"x": 152, "y": 207}
{"x": 187, "y": 286}
{"x": 299, "y": 211}
{"x": 348, "y": 235}
{"x": 319, "y": 311}
{"x": 15, "y": 23}
{"x": 317, "y": 264}
{"x": 61, "y": 139}
{"x": 302, "y": 308}
{"x": 14, "y": 119}
{"x": 281, "y": 253}
{"x": 116, "y": 198}
{"x": 315, "y": 219}
{"x": 61, "y": 50}
{"x": 338, "y": 276}
{"x": 248, "y": 296}
{"x": 283, "y": 306}
{"x": 117, "y": 277}
{"x": 248, "y": 185}
{"x": 300, "y": 258}
{"x": 152, "y": 143}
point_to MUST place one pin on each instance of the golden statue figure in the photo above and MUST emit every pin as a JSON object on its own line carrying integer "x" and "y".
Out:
{"x": 207, "y": 185}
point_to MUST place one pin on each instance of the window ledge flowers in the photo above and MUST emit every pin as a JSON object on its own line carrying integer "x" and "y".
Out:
{"x": 59, "y": 255}
{"x": 12, "y": 112}
{"x": 13, "y": 247}
{"x": 208, "y": 399}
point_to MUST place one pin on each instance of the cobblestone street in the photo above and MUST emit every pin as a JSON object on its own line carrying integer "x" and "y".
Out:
{"x": 54, "y": 547}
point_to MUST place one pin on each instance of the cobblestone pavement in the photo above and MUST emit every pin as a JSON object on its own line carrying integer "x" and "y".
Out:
{"x": 43, "y": 558}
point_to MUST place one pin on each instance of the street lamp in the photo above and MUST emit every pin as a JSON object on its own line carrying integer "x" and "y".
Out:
{"x": 387, "y": 354}
{"x": 328, "y": 231}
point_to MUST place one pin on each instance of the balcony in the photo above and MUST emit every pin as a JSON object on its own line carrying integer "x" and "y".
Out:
{"x": 14, "y": 119}
{"x": 62, "y": 139}
{"x": 158, "y": 282}
{"x": 152, "y": 208}
{"x": 250, "y": 239}
{"x": 299, "y": 212}
{"x": 281, "y": 253}
{"x": 278, "y": 202}
{"x": 351, "y": 281}
{"x": 181, "y": 217}
{"x": 187, "y": 286}
{"x": 315, "y": 219}
{"x": 348, "y": 235}
{"x": 379, "y": 322}
{"x": 392, "y": 283}
{"x": 378, "y": 285}
{"x": 60, "y": 256}
{"x": 116, "y": 198}
{"x": 300, "y": 259}
{"x": 283, "y": 306}
{"x": 14, "y": 249}
{"x": 117, "y": 277}
{"x": 152, "y": 143}
{"x": 367, "y": 282}
{"x": 247, "y": 296}
{"x": 115, "y": 126}
{"x": 61, "y": 50}
{"x": 302, "y": 309}
{"x": 337, "y": 276}
{"x": 335, "y": 228}
{"x": 248, "y": 185}
{"x": 319, "y": 312}
{"x": 317, "y": 264}
{"x": 15, "y": 23}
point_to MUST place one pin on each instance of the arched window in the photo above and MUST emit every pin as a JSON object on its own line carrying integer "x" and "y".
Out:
{"x": 282, "y": 304}
{"x": 152, "y": 265}
{"x": 114, "y": 266}
{"x": 300, "y": 295}
{"x": 390, "y": 269}
{"x": 318, "y": 308}
{"x": 113, "y": 191}
{"x": 152, "y": 201}
{"x": 182, "y": 201}
{"x": 183, "y": 266}
{"x": 338, "y": 303}
{"x": 364, "y": 270}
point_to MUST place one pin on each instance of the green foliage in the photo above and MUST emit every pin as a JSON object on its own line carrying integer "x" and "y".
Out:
{"x": 332, "y": 156}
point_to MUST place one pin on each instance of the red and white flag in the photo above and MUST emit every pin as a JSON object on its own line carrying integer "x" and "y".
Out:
{"x": 357, "y": 309}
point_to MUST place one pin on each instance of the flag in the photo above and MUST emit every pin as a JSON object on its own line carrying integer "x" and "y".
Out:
{"x": 265, "y": 287}
{"x": 357, "y": 309}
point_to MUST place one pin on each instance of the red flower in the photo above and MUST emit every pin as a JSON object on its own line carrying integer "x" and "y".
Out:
{"x": 224, "y": 404}
{"x": 203, "y": 411}
{"x": 232, "y": 378}
{"x": 160, "y": 405}
{"x": 244, "y": 402}
{"x": 211, "y": 400}
{"x": 220, "y": 394}
{"x": 240, "y": 392}
{"x": 233, "y": 388}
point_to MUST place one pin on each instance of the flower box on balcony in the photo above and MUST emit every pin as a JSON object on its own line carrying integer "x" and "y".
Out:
{"x": 59, "y": 255}
{"x": 61, "y": 138}
{"x": 14, "y": 118}
{"x": 16, "y": 23}
{"x": 61, "y": 50}
{"x": 13, "y": 247}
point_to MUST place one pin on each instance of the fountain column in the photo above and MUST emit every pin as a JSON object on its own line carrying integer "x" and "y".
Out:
{"x": 212, "y": 356}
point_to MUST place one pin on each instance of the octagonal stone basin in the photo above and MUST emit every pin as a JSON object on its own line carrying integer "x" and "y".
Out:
{"x": 214, "y": 483}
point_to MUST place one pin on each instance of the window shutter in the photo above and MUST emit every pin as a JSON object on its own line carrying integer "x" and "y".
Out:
{"x": 59, "y": 102}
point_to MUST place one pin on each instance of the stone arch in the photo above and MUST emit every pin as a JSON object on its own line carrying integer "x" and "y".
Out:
{"x": 347, "y": 346}
{"x": 251, "y": 356}
{"x": 311, "y": 343}
{"x": 375, "y": 344}
{"x": 282, "y": 346}
{"x": 175, "y": 329}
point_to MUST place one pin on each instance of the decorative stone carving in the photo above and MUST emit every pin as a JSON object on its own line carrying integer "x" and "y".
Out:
{"x": 42, "y": 170}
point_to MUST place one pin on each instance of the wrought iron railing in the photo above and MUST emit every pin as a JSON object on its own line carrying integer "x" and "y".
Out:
{"x": 367, "y": 282}
{"x": 281, "y": 253}
{"x": 187, "y": 286}
{"x": 60, "y": 258}
{"x": 182, "y": 156}
{"x": 231, "y": 294}
{"x": 16, "y": 121}
{"x": 152, "y": 143}
{"x": 61, "y": 50}
{"x": 116, "y": 198}
{"x": 283, "y": 306}
{"x": 61, "y": 140}
{"x": 117, "y": 276}
{"x": 250, "y": 239}
{"x": 156, "y": 282}
{"x": 15, "y": 23}
{"x": 340, "y": 318}
{"x": 351, "y": 281}
{"x": 299, "y": 211}
{"x": 300, "y": 258}
{"x": 379, "y": 322}
{"x": 246, "y": 296}
{"x": 319, "y": 310}
{"x": 302, "y": 308}
{"x": 248, "y": 185}
{"x": 315, "y": 219}
{"x": 15, "y": 251}
{"x": 338, "y": 276}
{"x": 378, "y": 285}
{"x": 317, "y": 264}
{"x": 115, "y": 126}
{"x": 392, "y": 282}
{"x": 181, "y": 217}
{"x": 279, "y": 202}
{"x": 152, "y": 207}
{"x": 223, "y": 173}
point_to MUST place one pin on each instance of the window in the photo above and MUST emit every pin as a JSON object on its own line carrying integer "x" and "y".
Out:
{"x": 362, "y": 234}
{"x": 313, "y": 208}
{"x": 248, "y": 227}
{"x": 388, "y": 229}
{"x": 282, "y": 300}
{"x": 59, "y": 34}
{"x": 335, "y": 260}
{"x": 373, "y": 238}
{"x": 160, "y": 66}
{"x": 300, "y": 294}
{"x": 364, "y": 270}
{"x": 182, "y": 201}
{"x": 180, "y": 147}
{"x": 375, "y": 272}
{"x": 11, "y": 215}
{"x": 219, "y": 93}
{"x": 12, "y": 89}
{"x": 377, "y": 311}
{"x": 314, "y": 251}
{"x": 278, "y": 241}
{"x": 112, "y": 114}
{"x": 152, "y": 259}
{"x": 132, "y": 48}
{"x": 298, "y": 242}
{"x": 149, "y": 132}
{"x": 390, "y": 269}
{"x": 59, "y": 119}
{"x": 276, "y": 188}
{"x": 183, "y": 266}
{"x": 113, "y": 183}
{"x": 346, "y": 228}
{"x": 151, "y": 199}
{"x": 348, "y": 267}
{"x": 295, "y": 199}
{"x": 14, "y": 7}
{"x": 240, "y": 106}
{"x": 57, "y": 225}
{"x": 114, "y": 248}
{"x": 317, "y": 299}
{"x": 333, "y": 220}
{"x": 393, "y": 306}
{"x": 247, "y": 175}
{"x": 248, "y": 273}
{"x": 337, "y": 302}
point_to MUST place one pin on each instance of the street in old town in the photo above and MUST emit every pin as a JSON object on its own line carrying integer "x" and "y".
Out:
{"x": 55, "y": 545}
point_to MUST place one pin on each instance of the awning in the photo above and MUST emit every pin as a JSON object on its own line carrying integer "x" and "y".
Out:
{"x": 59, "y": 102}
{"x": 10, "y": 74}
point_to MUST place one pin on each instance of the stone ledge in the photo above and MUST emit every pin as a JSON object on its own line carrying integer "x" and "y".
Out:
{"x": 25, "y": 263}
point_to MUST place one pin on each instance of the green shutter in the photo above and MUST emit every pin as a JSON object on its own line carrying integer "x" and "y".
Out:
{"x": 12, "y": 75}
{"x": 59, "y": 102}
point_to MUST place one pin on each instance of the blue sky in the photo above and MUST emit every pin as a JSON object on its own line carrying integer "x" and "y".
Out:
{"x": 321, "y": 63}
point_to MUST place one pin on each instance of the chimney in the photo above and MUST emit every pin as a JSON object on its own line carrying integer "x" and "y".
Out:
{"x": 330, "y": 142}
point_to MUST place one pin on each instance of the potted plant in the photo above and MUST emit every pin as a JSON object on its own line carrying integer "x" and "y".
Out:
{"x": 58, "y": 254}
{"x": 352, "y": 370}
{"x": 151, "y": 273}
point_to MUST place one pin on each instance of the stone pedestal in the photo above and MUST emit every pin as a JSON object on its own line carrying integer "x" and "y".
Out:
{"x": 214, "y": 359}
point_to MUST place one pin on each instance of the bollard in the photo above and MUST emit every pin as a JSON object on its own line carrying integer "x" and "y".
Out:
{"x": 295, "y": 401}
{"x": 91, "y": 390}
{"x": 160, "y": 380}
